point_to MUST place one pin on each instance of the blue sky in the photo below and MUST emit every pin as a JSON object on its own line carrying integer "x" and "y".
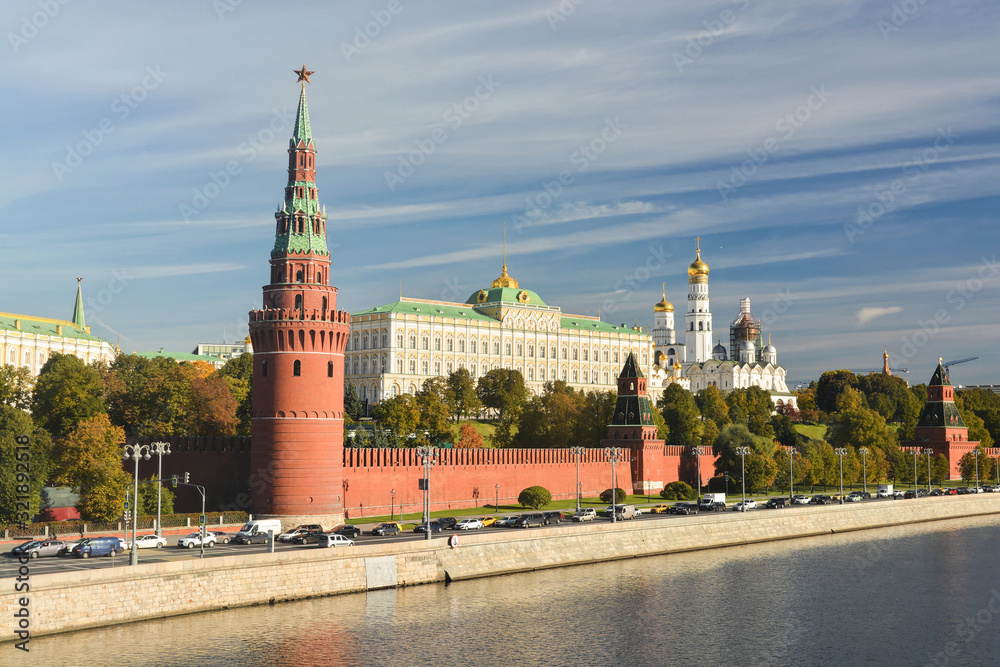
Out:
{"x": 839, "y": 161}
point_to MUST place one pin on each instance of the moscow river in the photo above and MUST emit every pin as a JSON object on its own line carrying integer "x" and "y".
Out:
{"x": 915, "y": 595}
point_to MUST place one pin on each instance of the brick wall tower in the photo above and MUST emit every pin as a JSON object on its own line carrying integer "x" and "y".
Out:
{"x": 941, "y": 426}
{"x": 632, "y": 427}
{"x": 298, "y": 340}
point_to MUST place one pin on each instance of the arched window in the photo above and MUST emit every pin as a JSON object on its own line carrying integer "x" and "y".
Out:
{"x": 413, "y": 367}
{"x": 298, "y": 276}
{"x": 520, "y": 350}
{"x": 701, "y": 326}
{"x": 329, "y": 369}
{"x": 692, "y": 326}
{"x": 437, "y": 368}
{"x": 541, "y": 374}
{"x": 399, "y": 340}
{"x": 564, "y": 352}
{"x": 586, "y": 354}
{"x": 425, "y": 343}
{"x": 496, "y": 347}
{"x": 423, "y": 367}
{"x": 399, "y": 366}
{"x": 472, "y": 346}
{"x": 506, "y": 349}
{"x": 576, "y": 377}
{"x": 531, "y": 373}
{"x": 448, "y": 345}
{"x": 553, "y": 351}
{"x": 461, "y": 345}
{"x": 616, "y": 356}
{"x": 297, "y": 368}
{"x": 298, "y": 302}
{"x": 413, "y": 342}
{"x": 263, "y": 368}
{"x": 541, "y": 351}
{"x": 324, "y": 303}
{"x": 605, "y": 355}
{"x": 437, "y": 344}
{"x": 364, "y": 342}
{"x": 585, "y": 377}
{"x": 576, "y": 354}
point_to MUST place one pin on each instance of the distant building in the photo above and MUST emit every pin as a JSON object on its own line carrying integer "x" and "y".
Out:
{"x": 220, "y": 353}
{"x": 181, "y": 356}
{"x": 27, "y": 341}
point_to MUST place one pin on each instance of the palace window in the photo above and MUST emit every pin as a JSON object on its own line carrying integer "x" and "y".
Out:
{"x": 586, "y": 354}
{"x": 541, "y": 374}
{"x": 506, "y": 349}
{"x": 355, "y": 367}
{"x": 437, "y": 344}
{"x": 575, "y": 377}
{"x": 399, "y": 366}
{"x": 448, "y": 368}
{"x": 564, "y": 375}
{"x": 425, "y": 343}
{"x": 605, "y": 377}
{"x": 541, "y": 351}
{"x": 364, "y": 342}
{"x": 364, "y": 367}
{"x": 413, "y": 342}
{"x": 585, "y": 377}
{"x": 413, "y": 367}
{"x": 616, "y": 356}
{"x": 496, "y": 348}
{"x": 437, "y": 368}
{"x": 472, "y": 370}
{"x": 461, "y": 345}
{"x": 575, "y": 354}
{"x": 531, "y": 350}
{"x": 520, "y": 350}
{"x": 553, "y": 351}
{"x": 531, "y": 373}
{"x": 423, "y": 367}
{"x": 564, "y": 353}
{"x": 385, "y": 363}
{"x": 448, "y": 345}
{"x": 354, "y": 341}
{"x": 399, "y": 340}
{"x": 472, "y": 346}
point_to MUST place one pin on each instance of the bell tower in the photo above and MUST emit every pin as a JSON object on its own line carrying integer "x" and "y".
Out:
{"x": 298, "y": 339}
{"x": 632, "y": 427}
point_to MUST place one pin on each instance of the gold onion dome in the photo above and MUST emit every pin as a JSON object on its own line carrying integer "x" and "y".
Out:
{"x": 664, "y": 306}
{"x": 504, "y": 280}
{"x": 698, "y": 271}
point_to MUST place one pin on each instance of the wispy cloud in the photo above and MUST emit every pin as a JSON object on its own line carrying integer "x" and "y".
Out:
{"x": 867, "y": 314}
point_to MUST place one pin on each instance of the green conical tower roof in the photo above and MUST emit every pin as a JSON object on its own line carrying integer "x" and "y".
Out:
{"x": 78, "y": 319}
{"x": 302, "y": 133}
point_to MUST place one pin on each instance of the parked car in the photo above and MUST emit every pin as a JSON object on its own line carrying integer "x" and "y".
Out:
{"x": 854, "y": 497}
{"x": 585, "y": 514}
{"x": 682, "y": 508}
{"x": 662, "y": 508}
{"x": 638, "y": 511}
{"x": 745, "y": 505}
{"x": 433, "y": 526}
{"x": 221, "y": 537}
{"x": 552, "y": 517}
{"x": 254, "y": 537}
{"x": 714, "y": 506}
{"x": 194, "y": 540}
{"x": 39, "y": 548}
{"x": 820, "y": 499}
{"x": 97, "y": 546}
{"x": 507, "y": 521}
{"x": 150, "y": 542}
{"x": 488, "y": 520}
{"x": 335, "y": 540}
{"x": 937, "y": 492}
{"x": 390, "y": 528}
{"x": 775, "y": 503}
{"x": 909, "y": 494}
{"x": 897, "y": 494}
{"x": 309, "y": 537}
{"x": 469, "y": 524}
{"x": 923, "y": 492}
{"x": 529, "y": 520}
{"x": 800, "y": 500}
{"x": 950, "y": 491}
{"x": 298, "y": 530}
{"x": 447, "y": 522}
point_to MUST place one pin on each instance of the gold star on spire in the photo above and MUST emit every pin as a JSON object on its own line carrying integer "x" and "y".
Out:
{"x": 303, "y": 74}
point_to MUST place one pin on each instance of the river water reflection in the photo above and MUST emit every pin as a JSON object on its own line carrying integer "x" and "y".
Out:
{"x": 899, "y": 596}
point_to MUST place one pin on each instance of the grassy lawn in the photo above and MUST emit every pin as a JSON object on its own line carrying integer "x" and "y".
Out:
{"x": 812, "y": 431}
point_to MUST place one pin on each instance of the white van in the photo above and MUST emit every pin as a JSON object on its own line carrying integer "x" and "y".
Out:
{"x": 258, "y": 527}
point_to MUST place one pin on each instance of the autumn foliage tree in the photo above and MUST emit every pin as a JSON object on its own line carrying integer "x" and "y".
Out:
{"x": 90, "y": 461}
{"x": 468, "y": 437}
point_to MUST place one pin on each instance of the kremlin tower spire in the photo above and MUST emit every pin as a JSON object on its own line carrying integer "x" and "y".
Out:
{"x": 698, "y": 318}
{"x": 298, "y": 339}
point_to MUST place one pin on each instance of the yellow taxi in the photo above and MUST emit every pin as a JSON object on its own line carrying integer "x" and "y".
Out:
{"x": 660, "y": 509}
{"x": 488, "y": 520}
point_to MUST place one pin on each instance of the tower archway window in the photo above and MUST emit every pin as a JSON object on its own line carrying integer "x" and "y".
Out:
{"x": 701, "y": 326}
{"x": 263, "y": 368}
{"x": 329, "y": 369}
{"x": 298, "y": 276}
{"x": 297, "y": 368}
{"x": 324, "y": 303}
{"x": 692, "y": 326}
{"x": 298, "y": 302}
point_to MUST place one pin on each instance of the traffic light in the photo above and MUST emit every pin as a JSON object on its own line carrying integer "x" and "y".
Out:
{"x": 173, "y": 481}
{"x": 187, "y": 477}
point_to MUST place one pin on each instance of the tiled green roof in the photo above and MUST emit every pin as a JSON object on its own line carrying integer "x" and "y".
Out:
{"x": 583, "y": 324}
{"x": 424, "y": 308}
{"x": 508, "y": 294}
{"x": 302, "y": 132}
{"x": 178, "y": 356}
{"x": 43, "y": 326}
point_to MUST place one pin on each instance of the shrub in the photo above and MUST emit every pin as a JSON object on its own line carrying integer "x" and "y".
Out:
{"x": 534, "y": 497}
{"x": 678, "y": 491}
{"x": 620, "y": 496}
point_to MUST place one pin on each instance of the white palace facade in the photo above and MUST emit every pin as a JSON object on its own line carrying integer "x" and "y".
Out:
{"x": 396, "y": 347}
{"x": 27, "y": 341}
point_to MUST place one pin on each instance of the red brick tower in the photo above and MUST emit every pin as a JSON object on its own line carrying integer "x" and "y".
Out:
{"x": 941, "y": 426}
{"x": 632, "y": 427}
{"x": 298, "y": 337}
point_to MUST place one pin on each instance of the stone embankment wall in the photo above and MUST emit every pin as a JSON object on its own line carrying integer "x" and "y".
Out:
{"x": 154, "y": 590}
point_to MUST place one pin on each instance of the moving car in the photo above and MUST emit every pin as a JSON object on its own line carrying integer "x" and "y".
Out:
{"x": 662, "y": 508}
{"x": 221, "y": 537}
{"x": 682, "y": 508}
{"x": 854, "y": 497}
{"x": 552, "y": 517}
{"x": 744, "y": 505}
{"x": 433, "y": 526}
{"x": 309, "y": 537}
{"x": 820, "y": 499}
{"x": 39, "y": 548}
{"x": 469, "y": 524}
{"x": 586, "y": 514}
{"x": 335, "y": 540}
{"x": 299, "y": 530}
{"x": 776, "y": 503}
{"x": 347, "y": 530}
{"x": 97, "y": 546}
{"x": 507, "y": 521}
{"x": 258, "y": 526}
{"x": 255, "y": 537}
{"x": 194, "y": 540}
{"x": 800, "y": 500}
{"x": 389, "y": 528}
{"x": 529, "y": 520}
{"x": 447, "y": 522}
{"x": 150, "y": 542}
{"x": 488, "y": 520}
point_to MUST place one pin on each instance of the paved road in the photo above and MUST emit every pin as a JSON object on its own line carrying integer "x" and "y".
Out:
{"x": 9, "y": 566}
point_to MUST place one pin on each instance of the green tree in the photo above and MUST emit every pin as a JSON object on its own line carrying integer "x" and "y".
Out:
{"x": 434, "y": 412}
{"x": 238, "y": 374}
{"x": 534, "y": 497}
{"x": 23, "y": 471}
{"x": 16, "y": 387}
{"x": 212, "y": 408}
{"x": 967, "y": 466}
{"x": 681, "y": 416}
{"x": 760, "y": 468}
{"x": 829, "y": 387}
{"x": 709, "y": 432}
{"x": 552, "y": 419}
{"x": 678, "y": 491}
{"x": 352, "y": 402}
{"x": 620, "y": 495}
{"x": 461, "y": 396}
{"x": 976, "y": 426}
{"x": 800, "y": 468}
{"x": 149, "y": 397}
{"x": 503, "y": 391}
{"x": 596, "y": 411}
{"x": 401, "y": 416}
{"x": 784, "y": 430}
{"x": 67, "y": 392}
{"x": 90, "y": 461}
{"x": 854, "y": 424}
{"x": 712, "y": 405}
{"x": 147, "y": 498}
{"x": 940, "y": 468}
{"x": 751, "y": 406}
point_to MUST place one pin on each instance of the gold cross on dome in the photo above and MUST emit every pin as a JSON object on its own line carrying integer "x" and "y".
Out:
{"x": 303, "y": 74}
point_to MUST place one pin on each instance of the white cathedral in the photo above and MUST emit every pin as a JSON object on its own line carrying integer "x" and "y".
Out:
{"x": 696, "y": 364}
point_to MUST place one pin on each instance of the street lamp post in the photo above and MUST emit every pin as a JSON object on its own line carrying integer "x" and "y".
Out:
{"x": 841, "y": 452}
{"x": 392, "y": 505}
{"x": 427, "y": 457}
{"x": 928, "y": 451}
{"x": 496, "y": 487}
{"x": 916, "y": 455}
{"x": 998, "y": 469}
{"x": 791, "y": 481}
{"x": 743, "y": 451}
{"x": 864, "y": 451}
{"x": 159, "y": 448}
{"x": 135, "y": 452}
{"x": 974, "y": 451}
{"x": 697, "y": 453}
{"x": 613, "y": 453}
{"x": 579, "y": 452}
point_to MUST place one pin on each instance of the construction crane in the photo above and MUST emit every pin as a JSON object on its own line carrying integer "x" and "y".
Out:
{"x": 949, "y": 364}
{"x": 878, "y": 370}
